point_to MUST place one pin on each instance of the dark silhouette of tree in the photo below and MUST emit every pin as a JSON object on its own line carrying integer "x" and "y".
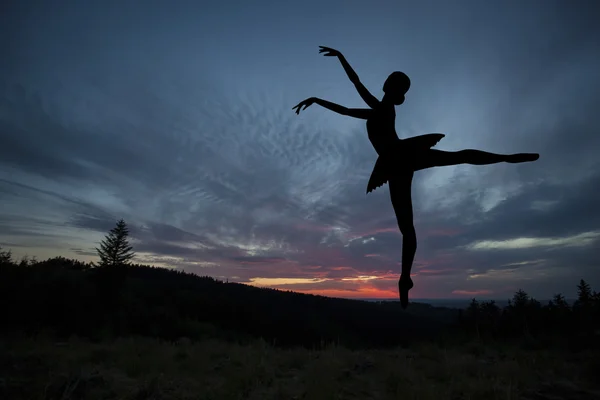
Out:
{"x": 583, "y": 309}
{"x": 557, "y": 315}
{"x": 472, "y": 316}
{"x": 115, "y": 248}
{"x": 520, "y": 299}
{"x": 584, "y": 294}
{"x": 517, "y": 314}
{"x": 5, "y": 256}
{"x": 490, "y": 316}
{"x": 559, "y": 302}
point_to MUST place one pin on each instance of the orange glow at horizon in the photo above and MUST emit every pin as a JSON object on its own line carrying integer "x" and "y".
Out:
{"x": 352, "y": 287}
{"x": 362, "y": 292}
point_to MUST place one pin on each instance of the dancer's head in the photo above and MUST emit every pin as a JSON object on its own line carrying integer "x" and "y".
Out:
{"x": 396, "y": 86}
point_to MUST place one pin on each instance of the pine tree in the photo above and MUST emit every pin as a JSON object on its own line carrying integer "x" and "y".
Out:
{"x": 520, "y": 299}
{"x": 520, "y": 308}
{"x": 584, "y": 293}
{"x": 115, "y": 248}
{"x": 5, "y": 256}
{"x": 560, "y": 302}
{"x": 472, "y": 314}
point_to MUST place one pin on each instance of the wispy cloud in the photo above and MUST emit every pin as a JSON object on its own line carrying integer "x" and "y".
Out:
{"x": 580, "y": 240}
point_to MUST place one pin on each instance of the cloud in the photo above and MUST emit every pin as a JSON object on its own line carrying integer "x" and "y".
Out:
{"x": 582, "y": 239}
{"x": 274, "y": 282}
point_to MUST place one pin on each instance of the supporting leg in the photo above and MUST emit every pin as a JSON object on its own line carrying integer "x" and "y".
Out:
{"x": 400, "y": 192}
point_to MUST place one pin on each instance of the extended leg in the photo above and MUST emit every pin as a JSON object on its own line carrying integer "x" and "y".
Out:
{"x": 439, "y": 158}
{"x": 400, "y": 192}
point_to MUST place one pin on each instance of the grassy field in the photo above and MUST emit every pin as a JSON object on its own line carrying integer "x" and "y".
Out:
{"x": 143, "y": 368}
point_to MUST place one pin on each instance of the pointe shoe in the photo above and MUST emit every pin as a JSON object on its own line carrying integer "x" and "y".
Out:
{"x": 404, "y": 285}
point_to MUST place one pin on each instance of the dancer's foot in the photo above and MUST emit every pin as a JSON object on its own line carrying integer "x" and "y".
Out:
{"x": 522, "y": 157}
{"x": 404, "y": 285}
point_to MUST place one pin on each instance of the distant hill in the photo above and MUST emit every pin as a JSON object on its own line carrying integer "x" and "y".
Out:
{"x": 460, "y": 303}
{"x": 62, "y": 298}
{"x": 66, "y": 297}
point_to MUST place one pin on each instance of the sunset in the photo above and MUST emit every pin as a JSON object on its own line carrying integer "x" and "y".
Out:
{"x": 186, "y": 131}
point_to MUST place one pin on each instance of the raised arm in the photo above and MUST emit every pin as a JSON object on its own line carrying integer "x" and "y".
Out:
{"x": 362, "y": 90}
{"x": 362, "y": 113}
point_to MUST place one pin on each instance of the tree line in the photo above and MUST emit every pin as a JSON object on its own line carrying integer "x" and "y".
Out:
{"x": 524, "y": 316}
{"x": 63, "y": 297}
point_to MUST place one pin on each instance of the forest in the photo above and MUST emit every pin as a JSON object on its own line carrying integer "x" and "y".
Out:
{"x": 116, "y": 329}
{"x": 64, "y": 297}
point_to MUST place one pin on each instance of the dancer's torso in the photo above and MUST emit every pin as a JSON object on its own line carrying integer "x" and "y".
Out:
{"x": 394, "y": 153}
{"x": 382, "y": 131}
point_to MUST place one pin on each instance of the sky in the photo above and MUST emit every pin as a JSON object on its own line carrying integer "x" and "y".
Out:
{"x": 177, "y": 117}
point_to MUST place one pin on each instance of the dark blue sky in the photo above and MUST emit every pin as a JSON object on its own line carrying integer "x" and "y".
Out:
{"x": 177, "y": 116}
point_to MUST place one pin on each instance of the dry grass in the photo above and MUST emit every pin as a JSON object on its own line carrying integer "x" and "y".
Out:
{"x": 148, "y": 369}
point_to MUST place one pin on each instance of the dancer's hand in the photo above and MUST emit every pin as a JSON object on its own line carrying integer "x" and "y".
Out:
{"x": 329, "y": 52}
{"x": 304, "y": 103}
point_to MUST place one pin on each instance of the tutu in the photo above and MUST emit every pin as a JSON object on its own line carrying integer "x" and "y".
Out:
{"x": 402, "y": 158}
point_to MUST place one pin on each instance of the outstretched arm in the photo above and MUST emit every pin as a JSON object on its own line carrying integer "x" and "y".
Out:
{"x": 362, "y": 113}
{"x": 362, "y": 90}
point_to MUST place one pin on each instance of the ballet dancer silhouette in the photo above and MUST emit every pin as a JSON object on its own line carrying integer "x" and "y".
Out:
{"x": 398, "y": 159}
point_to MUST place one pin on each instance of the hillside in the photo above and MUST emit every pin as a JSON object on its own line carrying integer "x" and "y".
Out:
{"x": 65, "y": 297}
{"x": 74, "y": 331}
